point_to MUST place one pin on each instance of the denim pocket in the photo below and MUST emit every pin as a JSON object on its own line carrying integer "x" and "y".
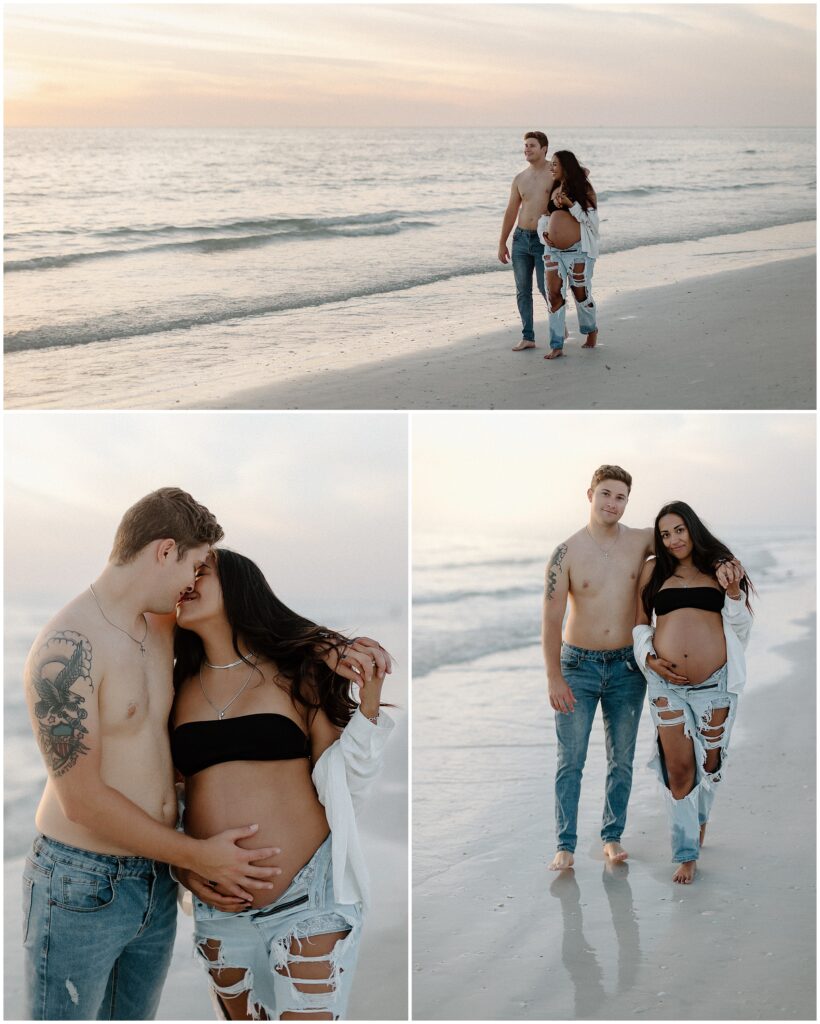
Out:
{"x": 570, "y": 661}
{"x": 28, "y": 893}
{"x": 82, "y": 891}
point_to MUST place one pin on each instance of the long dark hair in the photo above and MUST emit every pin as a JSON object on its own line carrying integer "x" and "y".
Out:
{"x": 271, "y": 630}
{"x": 707, "y": 551}
{"x": 576, "y": 183}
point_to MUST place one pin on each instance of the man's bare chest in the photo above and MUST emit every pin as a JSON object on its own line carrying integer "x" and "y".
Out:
{"x": 135, "y": 696}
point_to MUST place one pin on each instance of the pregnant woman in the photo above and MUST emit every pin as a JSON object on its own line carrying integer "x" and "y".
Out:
{"x": 570, "y": 231}
{"x": 695, "y": 668}
{"x": 263, "y": 727}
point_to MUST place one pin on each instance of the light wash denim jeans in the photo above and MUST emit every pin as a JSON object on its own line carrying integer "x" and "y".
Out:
{"x": 565, "y": 262}
{"x": 527, "y": 255}
{"x": 692, "y": 707}
{"x": 273, "y": 947}
{"x": 98, "y": 933}
{"x": 611, "y": 679}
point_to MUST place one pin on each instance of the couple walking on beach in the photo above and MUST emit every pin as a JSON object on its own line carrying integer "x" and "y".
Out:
{"x": 670, "y": 604}
{"x": 180, "y": 657}
{"x": 556, "y": 237}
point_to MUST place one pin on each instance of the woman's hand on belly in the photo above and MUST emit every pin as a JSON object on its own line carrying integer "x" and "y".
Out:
{"x": 665, "y": 669}
{"x": 563, "y": 230}
{"x": 210, "y": 894}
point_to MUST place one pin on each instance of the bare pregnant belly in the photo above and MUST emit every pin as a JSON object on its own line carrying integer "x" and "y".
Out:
{"x": 692, "y": 640}
{"x": 278, "y": 795}
{"x": 564, "y": 230}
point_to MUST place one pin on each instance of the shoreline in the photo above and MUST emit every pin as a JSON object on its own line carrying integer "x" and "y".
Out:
{"x": 406, "y": 349}
{"x": 499, "y": 936}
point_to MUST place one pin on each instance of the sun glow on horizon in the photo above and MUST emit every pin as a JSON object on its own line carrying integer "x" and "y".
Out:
{"x": 409, "y": 66}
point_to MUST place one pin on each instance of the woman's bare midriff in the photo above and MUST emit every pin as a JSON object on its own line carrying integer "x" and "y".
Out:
{"x": 692, "y": 639}
{"x": 563, "y": 230}
{"x": 278, "y": 795}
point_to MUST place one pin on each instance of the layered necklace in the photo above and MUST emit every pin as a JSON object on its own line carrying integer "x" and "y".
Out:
{"x": 139, "y": 643}
{"x": 220, "y": 712}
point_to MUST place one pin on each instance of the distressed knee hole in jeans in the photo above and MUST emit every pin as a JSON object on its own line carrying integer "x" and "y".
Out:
{"x": 230, "y": 983}
{"x": 308, "y": 971}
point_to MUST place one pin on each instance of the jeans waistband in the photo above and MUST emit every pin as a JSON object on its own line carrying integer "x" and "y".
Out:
{"x": 112, "y": 864}
{"x": 712, "y": 681}
{"x": 526, "y": 231}
{"x": 575, "y": 247}
{"x": 619, "y": 654}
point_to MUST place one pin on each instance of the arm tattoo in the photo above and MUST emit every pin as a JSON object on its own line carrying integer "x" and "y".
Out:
{"x": 554, "y": 568}
{"x": 63, "y": 661}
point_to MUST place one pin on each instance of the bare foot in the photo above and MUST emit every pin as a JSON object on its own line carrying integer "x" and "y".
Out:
{"x": 685, "y": 873}
{"x": 562, "y": 860}
{"x": 592, "y": 340}
{"x": 702, "y": 833}
{"x": 615, "y": 852}
{"x": 554, "y": 353}
{"x": 522, "y": 345}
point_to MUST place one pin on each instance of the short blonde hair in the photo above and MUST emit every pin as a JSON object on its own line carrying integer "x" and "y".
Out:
{"x": 611, "y": 473}
{"x": 166, "y": 513}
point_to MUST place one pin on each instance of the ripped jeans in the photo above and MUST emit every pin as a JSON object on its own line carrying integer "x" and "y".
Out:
{"x": 280, "y": 955}
{"x": 574, "y": 267}
{"x": 692, "y": 707}
{"x": 613, "y": 680}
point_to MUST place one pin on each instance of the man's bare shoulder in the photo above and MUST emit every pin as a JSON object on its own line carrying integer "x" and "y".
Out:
{"x": 573, "y": 541}
{"x": 69, "y": 633}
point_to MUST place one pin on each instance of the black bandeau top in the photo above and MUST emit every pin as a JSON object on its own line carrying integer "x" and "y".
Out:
{"x": 707, "y": 598}
{"x": 266, "y": 737}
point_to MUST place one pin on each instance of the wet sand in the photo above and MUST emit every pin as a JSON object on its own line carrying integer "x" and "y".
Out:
{"x": 716, "y": 342}
{"x": 499, "y": 936}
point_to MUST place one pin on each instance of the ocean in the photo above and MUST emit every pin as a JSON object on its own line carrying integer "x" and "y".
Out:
{"x": 169, "y": 236}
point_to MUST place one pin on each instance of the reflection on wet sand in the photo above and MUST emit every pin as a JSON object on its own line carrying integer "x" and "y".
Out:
{"x": 579, "y": 957}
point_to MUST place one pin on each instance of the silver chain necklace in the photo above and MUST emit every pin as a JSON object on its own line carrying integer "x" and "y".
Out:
{"x": 678, "y": 576}
{"x": 232, "y": 664}
{"x": 604, "y": 552}
{"x": 221, "y": 711}
{"x": 140, "y": 643}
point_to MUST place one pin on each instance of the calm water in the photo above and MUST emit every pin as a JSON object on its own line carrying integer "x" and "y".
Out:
{"x": 131, "y": 234}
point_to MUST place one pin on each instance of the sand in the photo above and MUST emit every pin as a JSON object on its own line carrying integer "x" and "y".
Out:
{"x": 718, "y": 342}
{"x": 496, "y": 935}
{"x": 724, "y": 322}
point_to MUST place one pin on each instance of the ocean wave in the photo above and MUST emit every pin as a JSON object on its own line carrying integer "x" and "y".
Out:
{"x": 710, "y": 187}
{"x": 118, "y": 328}
{"x": 225, "y": 237}
{"x": 457, "y": 648}
{"x": 499, "y": 594}
{"x": 489, "y": 563}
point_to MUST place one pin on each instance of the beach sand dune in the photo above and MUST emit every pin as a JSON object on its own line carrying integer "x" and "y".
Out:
{"x": 498, "y": 936}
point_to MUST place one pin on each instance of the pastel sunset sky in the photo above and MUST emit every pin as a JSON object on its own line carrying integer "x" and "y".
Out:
{"x": 192, "y": 65}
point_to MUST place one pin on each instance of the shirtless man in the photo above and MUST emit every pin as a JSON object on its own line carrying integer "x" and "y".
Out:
{"x": 598, "y": 569}
{"x": 99, "y": 904}
{"x": 528, "y": 201}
